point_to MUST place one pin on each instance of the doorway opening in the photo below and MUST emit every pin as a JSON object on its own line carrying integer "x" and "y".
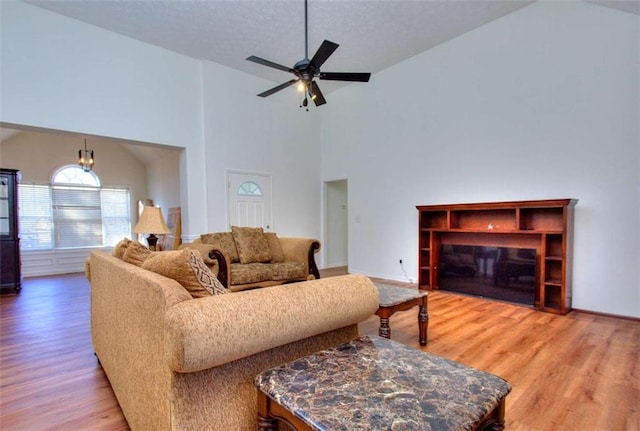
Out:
{"x": 336, "y": 244}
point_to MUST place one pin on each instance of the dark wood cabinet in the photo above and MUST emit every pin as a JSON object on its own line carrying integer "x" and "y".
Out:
{"x": 543, "y": 225}
{"x": 9, "y": 239}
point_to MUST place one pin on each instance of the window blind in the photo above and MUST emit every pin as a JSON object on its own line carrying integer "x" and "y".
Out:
{"x": 116, "y": 222}
{"x": 35, "y": 220}
{"x": 77, "y": 216}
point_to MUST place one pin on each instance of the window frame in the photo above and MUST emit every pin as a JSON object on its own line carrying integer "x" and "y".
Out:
{"x": 249, "y": 188}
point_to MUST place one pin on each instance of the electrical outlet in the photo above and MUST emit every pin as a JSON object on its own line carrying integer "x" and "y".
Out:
{"x": 400, "y": 261}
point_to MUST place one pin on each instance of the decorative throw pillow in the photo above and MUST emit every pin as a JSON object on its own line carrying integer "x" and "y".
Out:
{"x": 223, "y": 241}
{"x": 252, "y": 244}
{"x": 121, "y": 247}
{"x": 136, "y": 253}
{"x": 274, "y": 245}
{"x": 187, "y": 268}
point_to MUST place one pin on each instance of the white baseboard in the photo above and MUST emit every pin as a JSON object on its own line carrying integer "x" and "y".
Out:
{"x": 393, "y": 277}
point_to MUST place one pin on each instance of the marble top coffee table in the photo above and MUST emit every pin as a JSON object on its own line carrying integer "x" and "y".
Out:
{"x": 372, "y": 384}
{"x": 395, "y": 298}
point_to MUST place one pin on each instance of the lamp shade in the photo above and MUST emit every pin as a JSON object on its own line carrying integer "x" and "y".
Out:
{"x": 151, "y": 221}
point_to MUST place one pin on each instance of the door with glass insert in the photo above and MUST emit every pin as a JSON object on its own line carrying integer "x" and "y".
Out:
{"x": 249, "y": 200}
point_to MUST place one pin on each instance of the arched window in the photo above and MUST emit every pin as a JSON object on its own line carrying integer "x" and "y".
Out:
{"x": 73, "y": 211}
{"x": 75, "y": 175}
{"x": 249, "y": 188}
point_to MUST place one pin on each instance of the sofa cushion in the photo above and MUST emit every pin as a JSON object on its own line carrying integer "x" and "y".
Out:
{"x": 187, "y": 268}
{"x": 121, "y": 247}
{"x": 288, "y": 271}
{"x": 224, "y": 242}
{"x": 245, "y": 273}
{"x": 274, "y": 245}
{"x": 252, "y": 244}
{"x": 136, "y": 253}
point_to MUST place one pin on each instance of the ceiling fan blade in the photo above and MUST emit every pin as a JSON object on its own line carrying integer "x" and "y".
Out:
{"x": 321, "y": 55}
{"x": 345, "y": 76}
{"x": 277, "y": 88}
{"x": 268, "y": 63}
{"x": 317, "y": 97}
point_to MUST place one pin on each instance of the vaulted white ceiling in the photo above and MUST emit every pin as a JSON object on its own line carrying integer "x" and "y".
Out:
{"x": 373, "y": 34}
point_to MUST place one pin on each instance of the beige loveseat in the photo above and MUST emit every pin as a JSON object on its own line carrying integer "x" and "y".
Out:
{"x": 247, "y": 258}
{"x": 178, "y": 363}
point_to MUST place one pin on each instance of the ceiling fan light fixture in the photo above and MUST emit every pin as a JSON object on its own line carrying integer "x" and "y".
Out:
{"x": 306, "y": 70}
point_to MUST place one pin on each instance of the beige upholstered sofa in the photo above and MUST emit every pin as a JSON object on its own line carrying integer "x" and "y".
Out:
{"x": 178, "y": 363}
{"x": 246, "y": 258}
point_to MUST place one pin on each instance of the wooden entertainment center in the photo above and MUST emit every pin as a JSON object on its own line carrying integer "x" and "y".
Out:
{"x": 543, "y": 225}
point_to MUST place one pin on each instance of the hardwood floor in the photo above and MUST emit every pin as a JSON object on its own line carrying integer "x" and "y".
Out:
{"x": 574, "y": 372}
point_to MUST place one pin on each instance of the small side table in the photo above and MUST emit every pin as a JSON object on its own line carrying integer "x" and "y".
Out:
{"x": 372, "y": 383}
{"x": 395, "y": 298}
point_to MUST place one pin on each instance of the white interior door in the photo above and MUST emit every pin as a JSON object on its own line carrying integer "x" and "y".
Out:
{"x": 249, "y": 200}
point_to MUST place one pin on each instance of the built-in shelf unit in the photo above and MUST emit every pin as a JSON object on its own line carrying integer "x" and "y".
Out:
{"x": 543, "y": 225}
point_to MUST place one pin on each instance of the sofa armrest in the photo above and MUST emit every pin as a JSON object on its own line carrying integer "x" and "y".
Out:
{"x": 209, "y": 332}
{"x": 204, "y": 250}
{"x": 301, "y": 250}
{"x": 224, "y": 272}
{"x": 215, "y": 259}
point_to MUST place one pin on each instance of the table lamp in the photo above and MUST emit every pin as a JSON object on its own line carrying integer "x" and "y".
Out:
{"x": 151, "y": 222}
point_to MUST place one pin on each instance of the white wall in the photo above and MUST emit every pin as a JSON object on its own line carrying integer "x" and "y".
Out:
{"x": 543, "y": 103}
{"x": 61, "y": 74}
{"x": 163, "y": 180}
{"x": 264, "y": 135}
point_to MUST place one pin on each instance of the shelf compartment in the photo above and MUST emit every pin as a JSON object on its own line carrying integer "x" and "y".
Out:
{"x": 425, "y": 241}
{"x": 554, "y": 246}
{"x": 433, "y": 220}
{"x": 553, "y": 272}
{"x": 484, "y": 220}
{"x": 542, "y": 219}
{"x": 425, "y": 277}
{"x": 552, "y": 297}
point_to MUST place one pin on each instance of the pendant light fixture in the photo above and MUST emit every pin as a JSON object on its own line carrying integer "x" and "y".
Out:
{"x": 85, "y": 158}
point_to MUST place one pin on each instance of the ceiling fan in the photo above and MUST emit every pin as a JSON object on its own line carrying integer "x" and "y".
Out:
{"x": 307, "y": 70}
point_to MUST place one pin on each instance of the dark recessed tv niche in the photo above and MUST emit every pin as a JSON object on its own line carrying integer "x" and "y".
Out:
{"x": 503, "y": 273}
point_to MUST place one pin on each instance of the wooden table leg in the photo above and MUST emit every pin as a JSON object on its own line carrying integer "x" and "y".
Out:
{"x": 423, "y": 323}
{"x": 385, "y": 329}
{"x": 265, "y": 422}
{"x": 494, "y": 421}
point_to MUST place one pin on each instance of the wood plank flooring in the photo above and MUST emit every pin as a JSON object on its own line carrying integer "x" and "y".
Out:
{"x": 574, "y": 372}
